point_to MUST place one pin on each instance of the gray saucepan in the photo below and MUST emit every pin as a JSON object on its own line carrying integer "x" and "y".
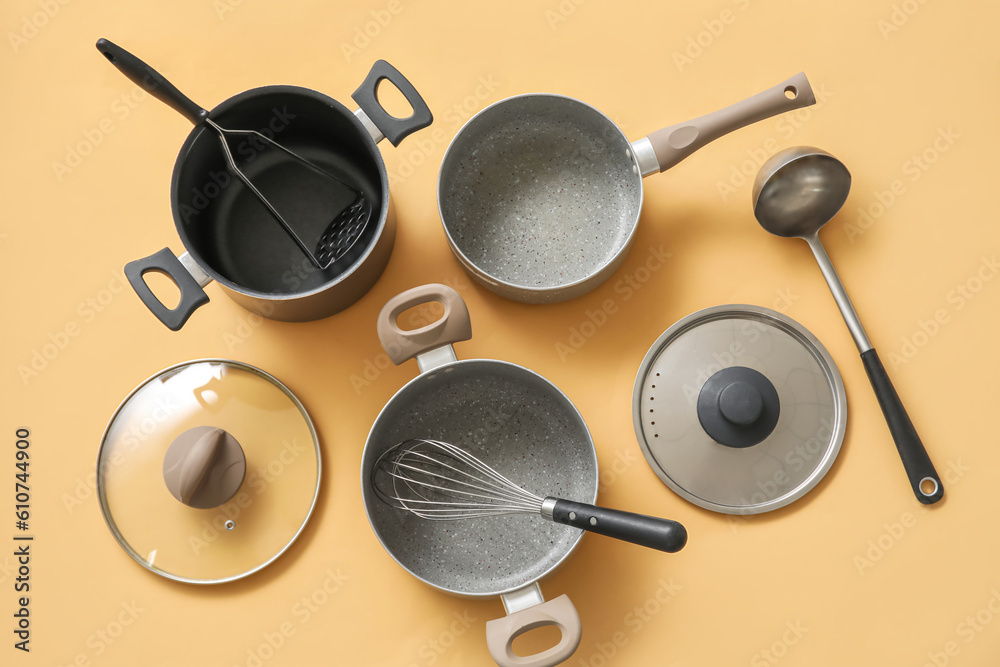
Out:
{"x": 540, "y": 194}
{"x": 514, "y": 420}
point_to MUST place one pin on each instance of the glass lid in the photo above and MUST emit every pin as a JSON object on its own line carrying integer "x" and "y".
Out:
{"x": 208, "y": 471}
{"x": 739, "y": 409}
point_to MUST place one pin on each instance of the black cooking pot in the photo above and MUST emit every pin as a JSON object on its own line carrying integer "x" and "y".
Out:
{"x": 231, "y": 237}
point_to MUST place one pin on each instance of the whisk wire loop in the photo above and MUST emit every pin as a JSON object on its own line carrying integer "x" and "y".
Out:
{"x": 436, "y": 480}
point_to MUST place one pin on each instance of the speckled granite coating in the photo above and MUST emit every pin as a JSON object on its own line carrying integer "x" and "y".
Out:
{"x": 539, "y": 191}
{"x": 517, "y": 423}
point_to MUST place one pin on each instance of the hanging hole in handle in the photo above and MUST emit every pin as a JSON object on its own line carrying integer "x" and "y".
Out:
{"x": 928, "y": 486}
{"x": 393, "y": 101}
{"x": 420, "y": 316}
{"x": 163, "y": 288}
{"x": 791, "y": 92}
{"x": 533, "y": 641}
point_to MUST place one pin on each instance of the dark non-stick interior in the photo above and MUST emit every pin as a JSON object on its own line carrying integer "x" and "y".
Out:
{"x": 538, "y": 191}
{"x": 516, "y": 422}
{"x": 228, "y": 228}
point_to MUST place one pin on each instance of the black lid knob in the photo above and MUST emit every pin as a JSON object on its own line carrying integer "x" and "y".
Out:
{"x": 741, "y": 403}
{"x": 738, "y": 407}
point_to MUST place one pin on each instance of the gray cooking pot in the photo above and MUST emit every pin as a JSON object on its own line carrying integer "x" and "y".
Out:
{"x": 540, "y": 194}
{"x": 512, "y": 419}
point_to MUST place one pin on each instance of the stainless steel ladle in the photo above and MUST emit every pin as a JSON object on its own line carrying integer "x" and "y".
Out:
{"x": 796, "y": 192}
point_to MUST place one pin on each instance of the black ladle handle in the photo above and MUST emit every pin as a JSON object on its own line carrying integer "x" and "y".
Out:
{"x": 646, "y": 531}
{"x": 924, "y": 479}
{"x": 152, "y": 81}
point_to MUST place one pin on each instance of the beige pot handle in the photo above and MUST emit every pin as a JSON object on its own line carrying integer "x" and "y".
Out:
{"x": 673, "y": 144}
{"x": 560, "y": 612}
{"x": 454, "y": 325}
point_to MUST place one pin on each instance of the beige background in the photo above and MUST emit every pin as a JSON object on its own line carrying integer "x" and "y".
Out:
{"x": 856, "y": 573}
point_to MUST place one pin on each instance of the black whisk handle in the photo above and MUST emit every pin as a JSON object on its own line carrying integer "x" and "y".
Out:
{"x": 647, "y": 531}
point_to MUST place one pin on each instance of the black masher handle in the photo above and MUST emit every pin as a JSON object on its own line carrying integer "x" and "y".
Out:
{"x": 152, "y": 81}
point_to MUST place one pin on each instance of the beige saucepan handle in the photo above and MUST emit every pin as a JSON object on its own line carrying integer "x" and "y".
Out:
{"x": 452, "y": 327}
{"x": 560, "y": 612}
{"x": 672, "y": 144}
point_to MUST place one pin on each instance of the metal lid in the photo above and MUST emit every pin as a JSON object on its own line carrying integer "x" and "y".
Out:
{"x": 208, "y": 471}
{"x": 739, "y": 409}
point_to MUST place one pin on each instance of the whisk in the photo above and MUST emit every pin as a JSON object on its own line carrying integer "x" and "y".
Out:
{"x": 438, "y": 481}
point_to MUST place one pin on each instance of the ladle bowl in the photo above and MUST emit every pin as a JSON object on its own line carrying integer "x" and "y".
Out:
{"x": 802, "y": 188}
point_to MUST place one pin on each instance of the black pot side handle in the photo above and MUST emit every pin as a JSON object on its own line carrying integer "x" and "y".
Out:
{"x": 192, "y": 294}
{"x": 394, "y": 129}
{"x": 924, "y": 479}
{"x": 151, "y": 81}
{"x": 646, "y": 531}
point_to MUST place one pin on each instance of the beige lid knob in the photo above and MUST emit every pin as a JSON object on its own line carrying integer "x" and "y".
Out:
{"x": 204, "y": 467}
